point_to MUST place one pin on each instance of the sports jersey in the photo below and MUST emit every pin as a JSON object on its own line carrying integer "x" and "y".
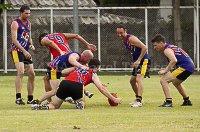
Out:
{"x": 23, "y": 35}
{"x": 183, "y": 59}
{"x": 60, "y": 40}
{"x": 135, "y": 51}
{"x": 82, "y": 76}
{"x": 61, "y": 62}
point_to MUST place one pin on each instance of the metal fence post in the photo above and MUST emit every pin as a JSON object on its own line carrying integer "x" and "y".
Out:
{"x": 75, "y": 26}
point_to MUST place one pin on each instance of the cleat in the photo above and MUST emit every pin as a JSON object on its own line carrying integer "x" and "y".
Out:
{"x": 167, "y": 104}
{"x": 38, "y": 107}
{"x": 89, "y": 94}
{"x": 35, "y": 103}
{"x": 187, "y": 103}
{"x": 19, "y": 101}
{"x": 135, "y": 100}
{"x": 46, "y": 103}
{"x": 30, "y": 102}
{"x": 136, "y": 104}
{"x": 69, "y": 100}
{"x": 79, "y": 105}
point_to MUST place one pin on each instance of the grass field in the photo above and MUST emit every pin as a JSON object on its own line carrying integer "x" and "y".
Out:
{"x": 98, "y": 115}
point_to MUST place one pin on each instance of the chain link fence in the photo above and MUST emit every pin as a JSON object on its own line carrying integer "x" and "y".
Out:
{"x": 113, "y": 54}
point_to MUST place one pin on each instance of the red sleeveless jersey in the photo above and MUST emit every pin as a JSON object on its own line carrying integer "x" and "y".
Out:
{"x": 60, "y": 40}
{"x": 81, "y": 76}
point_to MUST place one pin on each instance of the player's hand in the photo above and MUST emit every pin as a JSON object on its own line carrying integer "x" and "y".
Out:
{"x": 27, "y": 55}
{"x": 162, "y": 72}
{"x": 118, "y": 100}
{"x": 84, "y": 67}
{"x": 92, "y": 47}
{"x": 62, "y": 52}
{"x": 136, "y": 64}
{"x": 103, "y": 84}
{"x": 32, "y": 47}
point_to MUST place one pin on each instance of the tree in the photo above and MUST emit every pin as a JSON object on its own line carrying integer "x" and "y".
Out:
{"x": 177, "y": 23}
{"x": 4, "y": 6}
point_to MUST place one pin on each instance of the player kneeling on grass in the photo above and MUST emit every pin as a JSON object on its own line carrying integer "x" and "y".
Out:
{"x": 73, "y": 86}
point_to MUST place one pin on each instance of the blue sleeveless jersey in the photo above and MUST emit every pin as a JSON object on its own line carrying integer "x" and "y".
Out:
{"x": 23, "y": 35}
{"x": 135, "y": 51}
{"x": 61, "y": 62}
{"x": 183, "y": 59}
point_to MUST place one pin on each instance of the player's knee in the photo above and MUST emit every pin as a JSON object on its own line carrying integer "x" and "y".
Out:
{"x": 20, "y": 74}
{"x": 132, "y": 81}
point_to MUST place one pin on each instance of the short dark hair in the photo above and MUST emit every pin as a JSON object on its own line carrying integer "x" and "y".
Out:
{"x": 121, "y": 26}
{"x": 158, "y": 38}
{"x": 41, "y": 36}
{"x": 24, "y": 8}
{"x": 94, "y": 63}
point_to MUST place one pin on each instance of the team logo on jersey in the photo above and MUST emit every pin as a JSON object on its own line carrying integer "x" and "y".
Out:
{"x": 25, "y": 35}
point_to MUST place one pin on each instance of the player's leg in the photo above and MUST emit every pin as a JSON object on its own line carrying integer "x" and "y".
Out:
{"x": 30, "y": 84}
{"x": 47, "y": 85}
{"x": 18, "y": 82}
{"x": 80, "y": 103}
{"x": 56, "y": 103}
{"x": 54, "y": 84}
{"x": 165, "y": 80}
{"x": 181, "y": 74}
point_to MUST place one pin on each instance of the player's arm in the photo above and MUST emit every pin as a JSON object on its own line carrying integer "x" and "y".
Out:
{"x": 169, "y": 53}
{"x": 136, "y": 42}
{"x": 46, "y": 42}
{"x": 78, "y": 37}
{"x": 103, "y": 90}
{"x": 31, "y": 46}
{"x": 67, "y": 71}
{"x": 14, "y": 28}
{"x": 73, "y": 60}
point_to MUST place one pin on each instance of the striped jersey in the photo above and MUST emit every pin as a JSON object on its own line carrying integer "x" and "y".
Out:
{"x": 61, "y": 62}
{"x": 183, "y": 59}
{"x": 82, "y": 76}
{"x": 135, "y": 51}
{"x": 60, "y": 40}
{"x": 23, "y": 35}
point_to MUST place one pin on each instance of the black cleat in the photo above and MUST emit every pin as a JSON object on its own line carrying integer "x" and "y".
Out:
{"x": 187, "y": 103}
{"x": 167, "y": 104}
{"x": 89, "y": 94}
{"x": 33, "y": 102}
{"x": 19, "y": 101}
{"x": 38, "y": 107}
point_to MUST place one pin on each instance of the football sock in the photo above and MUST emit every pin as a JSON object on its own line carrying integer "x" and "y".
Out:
{"x": 18, "y": 95}
{"x": 30, "y": 97}
{"x": 186, "y": 99}
{"x": 138, "y": 98}
{"x": 169, "y": 100}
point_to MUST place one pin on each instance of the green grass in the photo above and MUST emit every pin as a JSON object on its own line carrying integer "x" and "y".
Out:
{"x": 98, "y": 115}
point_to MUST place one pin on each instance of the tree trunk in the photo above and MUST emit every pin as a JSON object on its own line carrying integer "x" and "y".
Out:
{"x": 177, "y": 24}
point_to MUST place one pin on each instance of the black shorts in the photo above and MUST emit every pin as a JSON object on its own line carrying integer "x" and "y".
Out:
{"x": 19, "y": 57}
{"x": 70, "y": 89}
{"x": 53, "y": 74}
{"x": 143, "y": 68}
{"x": 181, "y": 73}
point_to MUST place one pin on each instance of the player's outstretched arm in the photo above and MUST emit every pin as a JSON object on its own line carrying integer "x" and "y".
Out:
{"x": 78, "y": 37}
{"x": 103, "y": 90}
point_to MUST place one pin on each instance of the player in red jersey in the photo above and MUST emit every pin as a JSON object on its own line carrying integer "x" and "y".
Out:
{"x": 73, "y": 86}
{"x": 58, "y": 45}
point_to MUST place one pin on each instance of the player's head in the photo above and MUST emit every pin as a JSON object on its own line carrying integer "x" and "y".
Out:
{"x": 158, "y": 42}
{"x": 121, "y": 31}
{"x": 24, "y": 13}
{"x": 94, "y": 64}
{"x": 86, "y": 56}
{"x": 41, "y": 37}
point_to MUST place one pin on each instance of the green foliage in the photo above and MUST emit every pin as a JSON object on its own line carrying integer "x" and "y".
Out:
{"x": 6, "y": 6}
{"x": 98, "y": 114}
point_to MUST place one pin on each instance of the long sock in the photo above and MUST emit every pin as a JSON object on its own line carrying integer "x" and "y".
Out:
{"x": 138, "y": 98}
{"x": 18, "y": 95}
{"x": 30, "y": 97}
{"x": 169, "y": 100}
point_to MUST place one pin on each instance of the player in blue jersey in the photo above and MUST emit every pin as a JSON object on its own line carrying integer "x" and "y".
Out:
{"x": 21, "y": 43}
{"x": 183, "y": 68}
{"x": 58, "y": 64}
{"x": 141, "y": 62}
